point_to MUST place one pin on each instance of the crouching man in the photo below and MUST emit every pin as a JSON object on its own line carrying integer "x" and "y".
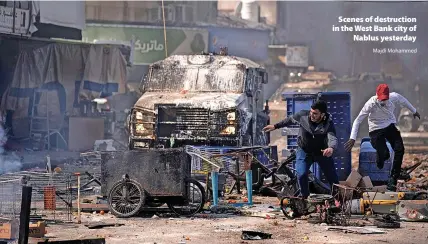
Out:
{"x": 316, "y": 143}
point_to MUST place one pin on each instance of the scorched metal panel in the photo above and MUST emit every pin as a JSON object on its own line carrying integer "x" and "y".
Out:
{"x": 161, "y": 172}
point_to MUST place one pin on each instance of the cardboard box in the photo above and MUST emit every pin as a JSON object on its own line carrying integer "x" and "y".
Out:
{"x": 37, "y": 230}
{"x": 353, "y": 179}
{"x": 6, "y": 231}
{"x": 365, "y": 182}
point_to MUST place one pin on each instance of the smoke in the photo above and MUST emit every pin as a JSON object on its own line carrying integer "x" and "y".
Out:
{"x": 9, "y": 162}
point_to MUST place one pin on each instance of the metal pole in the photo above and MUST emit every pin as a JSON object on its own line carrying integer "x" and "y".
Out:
{"x": 214, "y": 180}
{"x": 249, "y": 181}
{"x": 164, "y": 30}
{"x": 13, "y": 19}
{"x": 79, "y": 220}
{"x": 24, "y": 218}
{"x": 238, "y": 181}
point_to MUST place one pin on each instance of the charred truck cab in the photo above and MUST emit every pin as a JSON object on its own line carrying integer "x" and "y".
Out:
{"x": 213, "y": 100}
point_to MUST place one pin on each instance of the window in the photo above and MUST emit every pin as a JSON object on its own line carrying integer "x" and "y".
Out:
{"x": 189, "y": 14}
{"x": 169, "y": 13}
{"x": 155, "y": 14}
{"x": 179, "y": 13}
{"x": 140, "y": 14}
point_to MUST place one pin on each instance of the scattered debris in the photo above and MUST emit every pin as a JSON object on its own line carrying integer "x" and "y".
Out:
{"x": 255, "y": 235}
{"x": 387, "y": 224}
{"x": 356, "y": 230}
{"x": 99, "y": 225}
{"x": 353, "y": 179}
{"x": 413, "y": 211}
{"x": 225, "y": 209}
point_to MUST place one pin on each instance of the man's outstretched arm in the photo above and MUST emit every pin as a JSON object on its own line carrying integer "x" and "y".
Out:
{"x": 403, "y": 102}
{"x": 286, "y": 122}
{"x": 356, "y": 125}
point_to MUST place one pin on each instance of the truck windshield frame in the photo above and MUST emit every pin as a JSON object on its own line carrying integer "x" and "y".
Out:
{"x": 195, "y": 78}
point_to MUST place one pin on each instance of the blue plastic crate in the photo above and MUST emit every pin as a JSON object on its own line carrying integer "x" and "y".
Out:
{"x": 367, "y": 162}
{"x": 339, "y": 106}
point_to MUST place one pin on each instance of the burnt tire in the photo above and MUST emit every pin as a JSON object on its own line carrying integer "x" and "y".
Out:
{"x": 126, "y": 198}
{"x": 381, "y": 223}
{"x": 194, "y": 186}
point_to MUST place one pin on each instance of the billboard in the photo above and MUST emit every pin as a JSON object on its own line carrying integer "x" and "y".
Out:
{"x": 149, "y": 42}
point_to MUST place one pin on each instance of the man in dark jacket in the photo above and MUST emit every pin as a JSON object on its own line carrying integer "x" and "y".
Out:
{"x": 316, "y": 143}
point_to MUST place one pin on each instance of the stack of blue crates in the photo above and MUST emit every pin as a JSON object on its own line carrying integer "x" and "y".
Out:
{"x": 339, "y": 106}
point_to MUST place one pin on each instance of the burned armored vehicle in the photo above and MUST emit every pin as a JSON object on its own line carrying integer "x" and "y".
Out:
{"x": 213, "y": 100}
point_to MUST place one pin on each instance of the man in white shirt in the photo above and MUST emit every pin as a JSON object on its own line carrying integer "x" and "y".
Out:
{"x": 381, "y": 118}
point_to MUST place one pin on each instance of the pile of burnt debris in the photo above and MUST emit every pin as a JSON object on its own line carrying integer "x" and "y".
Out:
{"x": 357, "y": 202}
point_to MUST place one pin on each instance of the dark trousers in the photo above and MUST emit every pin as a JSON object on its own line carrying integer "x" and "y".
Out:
{"x": 378, "y": 140}
{"x": 303, "y": 164}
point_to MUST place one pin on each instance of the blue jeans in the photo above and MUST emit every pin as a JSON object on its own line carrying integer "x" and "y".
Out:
{"x": 304, "y": 162}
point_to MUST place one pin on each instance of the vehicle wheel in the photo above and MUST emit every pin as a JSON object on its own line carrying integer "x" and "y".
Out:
{"x": 381, "y": 223}
{"x": 126, "y": 198}
{"x": 195, "y": 201}
{"x": 408, "y": 124}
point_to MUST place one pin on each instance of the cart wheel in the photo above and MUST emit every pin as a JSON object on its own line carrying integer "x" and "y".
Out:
{"x": 126, "y": 198}
{"x": 195, "y": 201}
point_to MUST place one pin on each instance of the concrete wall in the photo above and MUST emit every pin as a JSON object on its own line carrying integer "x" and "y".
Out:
{"x": 246, "y": 43}
{"x": 140, "y": 11}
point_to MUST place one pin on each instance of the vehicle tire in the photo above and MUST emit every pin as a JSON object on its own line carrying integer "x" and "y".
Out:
{"x": 187, "y": 210}
{"x": 381, "y": 223}
{"x": 121, "y": 203}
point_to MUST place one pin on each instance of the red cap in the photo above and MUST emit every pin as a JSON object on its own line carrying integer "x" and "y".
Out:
{"x": 382, "y": 92}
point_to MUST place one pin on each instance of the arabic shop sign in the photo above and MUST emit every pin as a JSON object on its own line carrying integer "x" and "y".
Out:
{"x": 149, "y": 42}
{"x": 22, "y": 20}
